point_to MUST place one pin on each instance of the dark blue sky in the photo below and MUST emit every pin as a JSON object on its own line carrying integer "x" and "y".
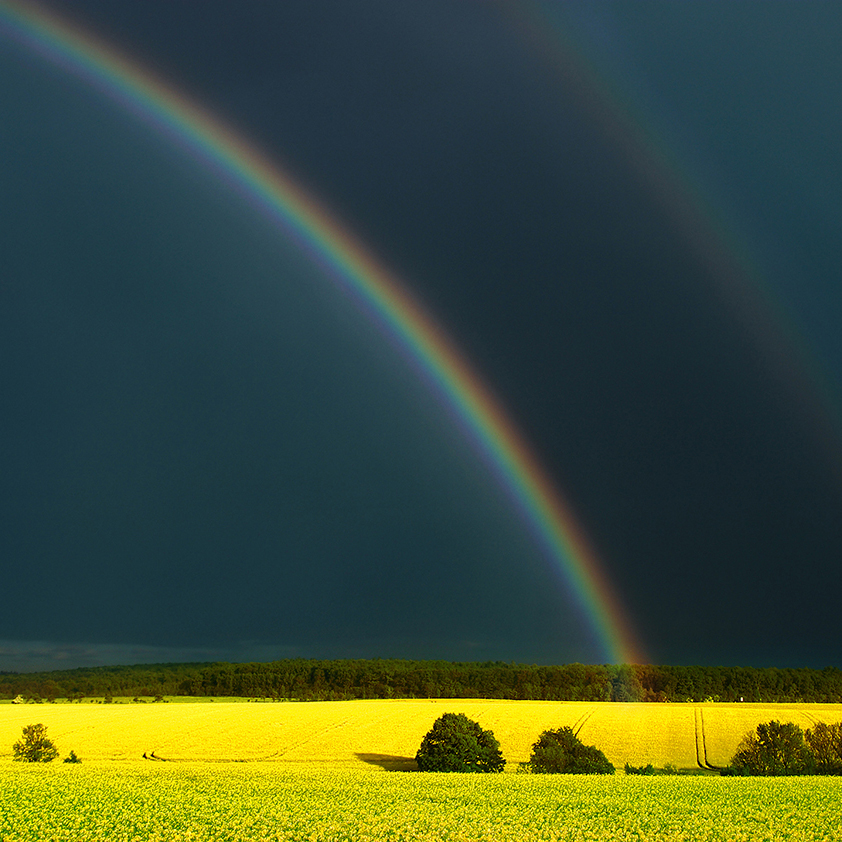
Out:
{"x": 209, "y": 453}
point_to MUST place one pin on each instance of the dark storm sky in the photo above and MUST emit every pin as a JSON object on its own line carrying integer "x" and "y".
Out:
{"x": 208, "y": 452}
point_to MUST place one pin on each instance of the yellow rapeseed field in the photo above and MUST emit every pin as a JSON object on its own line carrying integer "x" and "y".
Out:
{"x": 315, "y": 772}
{"x": 387, "y": 733}
{"x": 131, "y": 801}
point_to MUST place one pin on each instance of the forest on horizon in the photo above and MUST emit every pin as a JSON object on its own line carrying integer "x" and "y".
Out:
{"x": 336, "y": 680}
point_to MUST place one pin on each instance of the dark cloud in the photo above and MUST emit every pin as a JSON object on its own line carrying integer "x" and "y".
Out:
{"x": 207, "y": 449}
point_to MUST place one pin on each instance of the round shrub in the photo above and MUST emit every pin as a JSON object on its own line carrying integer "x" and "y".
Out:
{"x": 562, "y": 752}
{"x": 458, "y": 744}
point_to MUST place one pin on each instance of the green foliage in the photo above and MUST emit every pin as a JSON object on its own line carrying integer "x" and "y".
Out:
{"x": 72, "y": 758}
{"x": 825, "y": 743}
{"x": 311, "y": 680}
{"x": 625, "y": 685}
{"x": 774, "y": 748}
{"x": 458, "y": 744}
{"x": 666, "y": 769}
{"x": 35, "y": 746}
{"x": 648, "y": 769}
{"x": 561, "y": 751}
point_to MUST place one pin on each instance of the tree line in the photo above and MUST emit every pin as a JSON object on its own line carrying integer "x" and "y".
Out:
{"x": 327, "y": 680}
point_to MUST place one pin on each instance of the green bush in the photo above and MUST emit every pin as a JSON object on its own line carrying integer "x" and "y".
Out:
{"x": 561, "y": 751}
{"x": 72, "y": 758}
{"x": 648, "y": 769}
{"x": 458, "y": 744}
{"x": 35, "y": 746}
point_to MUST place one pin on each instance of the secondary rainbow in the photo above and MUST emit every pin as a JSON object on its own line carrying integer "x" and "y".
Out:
{"x": 379, "y": 293}
{"x": 694, "y": 211}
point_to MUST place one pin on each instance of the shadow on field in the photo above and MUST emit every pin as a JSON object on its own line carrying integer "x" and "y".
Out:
{"x": 390, "y": 762}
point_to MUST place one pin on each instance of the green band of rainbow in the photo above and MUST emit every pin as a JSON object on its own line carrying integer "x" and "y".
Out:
{"x": 301, "y": 216}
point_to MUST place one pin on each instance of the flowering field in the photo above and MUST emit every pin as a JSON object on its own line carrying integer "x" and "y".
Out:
{"x": 314, "y": 771}
{"x": 134, "y": 800}
{"x": 366, "y": 734}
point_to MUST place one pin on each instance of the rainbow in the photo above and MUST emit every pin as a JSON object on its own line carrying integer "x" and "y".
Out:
{"x": 695, "y": 214}
{"x": 378, "y": 292}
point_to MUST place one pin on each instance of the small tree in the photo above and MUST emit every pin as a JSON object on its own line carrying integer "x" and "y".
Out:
{"x": 35, "y": 747}
{"x": 774, "y": 748}
{"x": 825, "y": 742}
{"x": 72, "y": 758}
{"x": 561, "y": 751}
{"x": 458, "y": 744}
